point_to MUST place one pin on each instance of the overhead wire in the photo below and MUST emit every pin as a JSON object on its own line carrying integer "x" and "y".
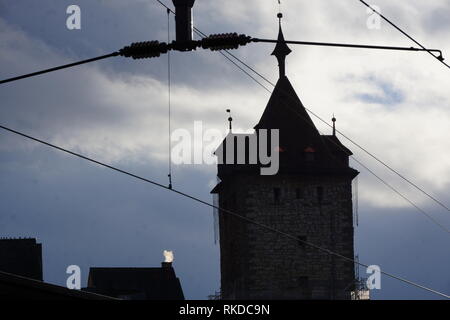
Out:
{"x": 439, "y": 58}
{"x": 169, "y": 85}
{"x": 114, "y": 54}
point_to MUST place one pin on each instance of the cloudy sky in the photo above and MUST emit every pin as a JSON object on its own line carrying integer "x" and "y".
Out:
{"x": 396, "y": 104}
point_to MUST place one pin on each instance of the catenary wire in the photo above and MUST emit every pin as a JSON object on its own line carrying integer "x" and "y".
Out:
{"x": 114, "y": 54}
{"x": 440, "y": 59}
{"x": 169, "y": 91}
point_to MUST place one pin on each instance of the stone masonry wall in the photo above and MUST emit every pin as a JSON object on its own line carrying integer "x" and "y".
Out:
{"x": 259, "y": 264}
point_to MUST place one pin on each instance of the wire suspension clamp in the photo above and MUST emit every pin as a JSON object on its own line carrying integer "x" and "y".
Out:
{"x": 214, "y": 42}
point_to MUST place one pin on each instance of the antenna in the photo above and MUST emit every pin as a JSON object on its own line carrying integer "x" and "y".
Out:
{"x": 230, "y": 119}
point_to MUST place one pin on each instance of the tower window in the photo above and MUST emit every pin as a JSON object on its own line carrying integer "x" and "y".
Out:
{"x": 320, "y": 194}
{"x": 276, "y": 195}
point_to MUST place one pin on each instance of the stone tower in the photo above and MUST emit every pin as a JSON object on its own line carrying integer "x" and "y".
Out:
{"x": 310, "y": 197}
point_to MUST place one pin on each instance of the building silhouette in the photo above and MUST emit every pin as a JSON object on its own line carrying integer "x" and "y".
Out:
{"x": 309, "y": 197}
{"x": 136, "y": 283}
{"x": 22, "y": 257}
{"x": 14, "y": 287}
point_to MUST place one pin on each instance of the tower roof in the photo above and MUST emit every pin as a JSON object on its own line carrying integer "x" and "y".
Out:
{"x": 286, "y": 112}
{"x": 302, "y": 149}
{"x": 301, "y": 144}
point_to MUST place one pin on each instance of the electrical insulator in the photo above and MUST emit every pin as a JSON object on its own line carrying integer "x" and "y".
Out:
{"x": 144, "y": 50}
{"x": 225, "y": 41}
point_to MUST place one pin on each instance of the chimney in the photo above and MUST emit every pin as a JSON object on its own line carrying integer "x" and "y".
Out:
{"x": 168, "y": 259}
{"x": 183, "y": 20}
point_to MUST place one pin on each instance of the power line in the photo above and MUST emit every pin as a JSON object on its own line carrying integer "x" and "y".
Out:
{"x": 169, "y": 85}
{"x": 440, "y": 203}
{"x": 349, "y": 45}
{"x": 403, "y": 196}
{"x": 245, "y": 71}
{"x": 221, "y": 210}
{"x": 136, "y": 50}
{"x": 150, "y": 49}
{"x": 114, "y": 54}
{"x": 439, "y": 58}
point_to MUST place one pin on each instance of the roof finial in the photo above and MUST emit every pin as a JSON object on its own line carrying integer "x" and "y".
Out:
{"x": 334, "y": 125}
{"x": 281, "y": 49}
{"x": 230, "y": 120}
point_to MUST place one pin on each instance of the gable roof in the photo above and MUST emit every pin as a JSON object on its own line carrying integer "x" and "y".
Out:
{"x": 137, "y": 283}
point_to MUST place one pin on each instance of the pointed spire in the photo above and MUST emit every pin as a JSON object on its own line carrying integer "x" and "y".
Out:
{"x": 281, "y": 50}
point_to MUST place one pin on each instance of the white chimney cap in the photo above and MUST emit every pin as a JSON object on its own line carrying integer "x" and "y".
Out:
{"x": 168, "y": 256}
